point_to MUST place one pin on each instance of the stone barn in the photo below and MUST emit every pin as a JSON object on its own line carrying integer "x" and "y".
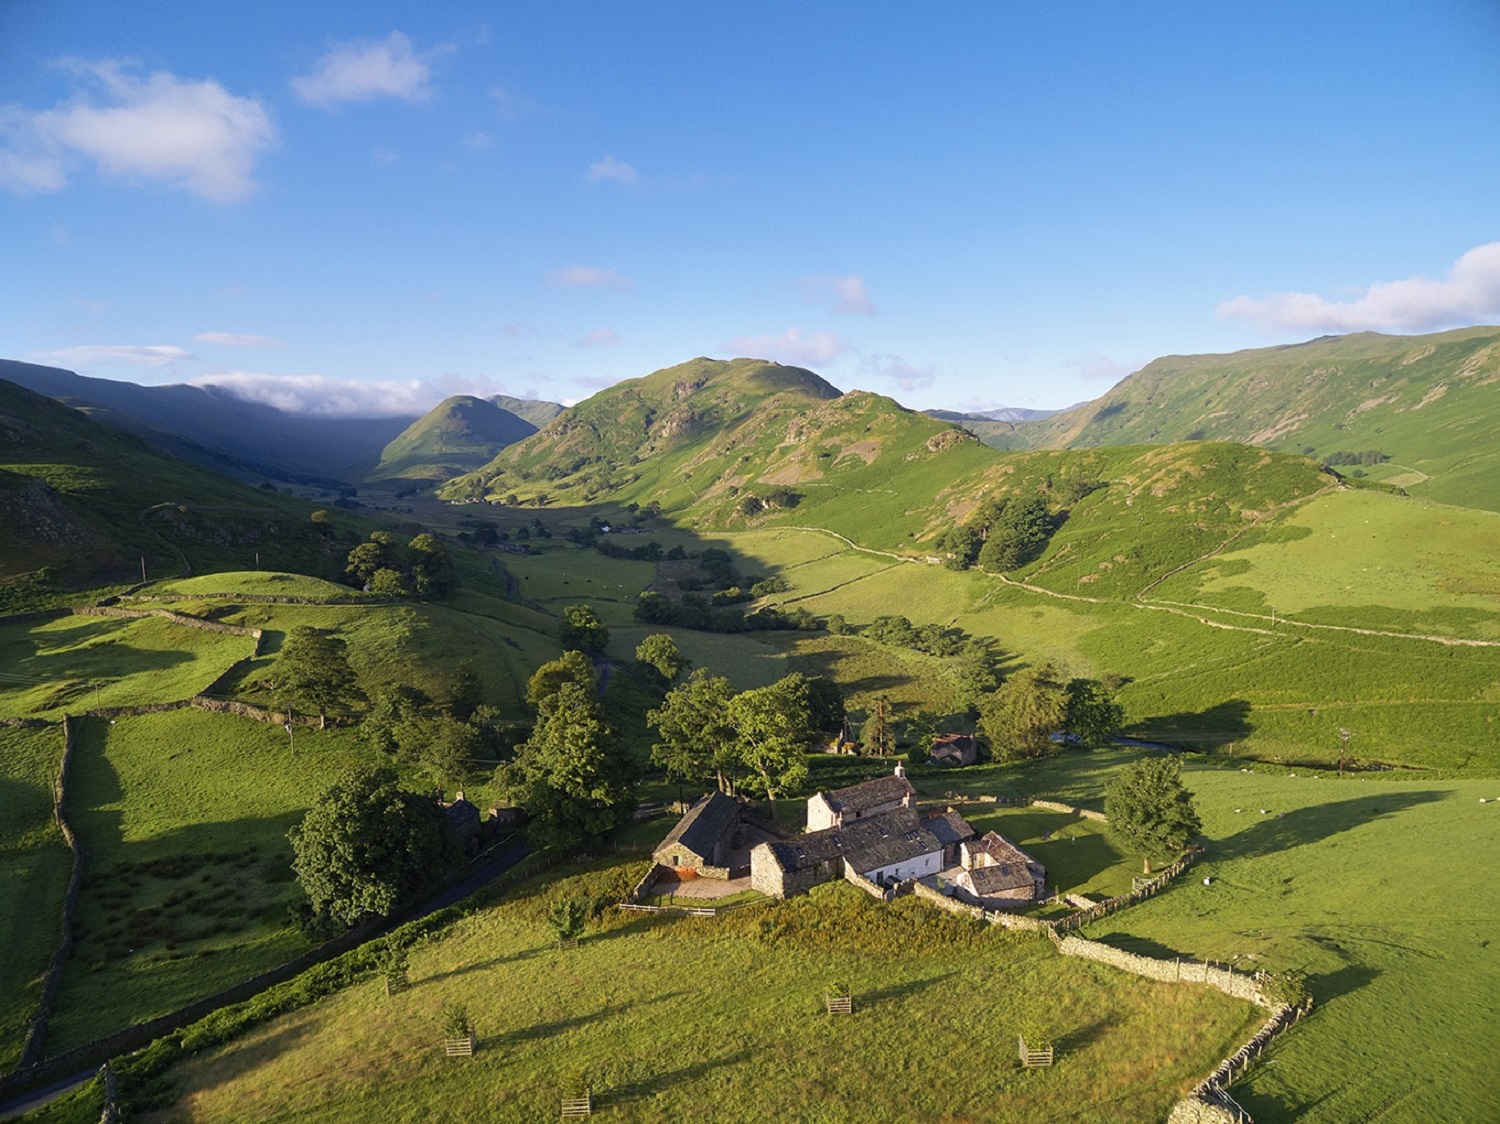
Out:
{"x": 997, "y": 874}
{"x": 886, "y": 848}
{"x": 703, "y": 838}
{"x": 870, "y": 798}
{"x": 952, "y": 831}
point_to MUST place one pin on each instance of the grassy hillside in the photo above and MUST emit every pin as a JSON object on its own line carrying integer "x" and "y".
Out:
{"x": 1431, "y": 404}
{"x": 536, "y": 412}
{"x": 457, "y": 435}
{"x": 86, "y": 502}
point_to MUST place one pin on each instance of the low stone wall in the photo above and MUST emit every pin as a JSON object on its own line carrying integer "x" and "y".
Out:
{"x": 1239, "y": 985}
{"x": 643, "y": 887}
{"x": 25, "y": 723}
{"x": 874, "y": 889}
{"x": 943, "y": 901}
{"x": 36, "y": 1030}
{"x": 1068, "y": 809}
{"x": 261, "y": 714}
{"x": 167, "y": 614}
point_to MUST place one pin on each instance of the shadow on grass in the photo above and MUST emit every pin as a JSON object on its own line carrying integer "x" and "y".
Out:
{"x": 573, "y": 1022}
{"x": 1337, "y": 984}
{"x": 482, "y": 965}
{"x": 1219, "y": 725}
{"x": 897, "y": 991}
{"x": 1084, "y": 1036}
{"x": 660, "y": 1082}
{"x": 1301, "y": 826}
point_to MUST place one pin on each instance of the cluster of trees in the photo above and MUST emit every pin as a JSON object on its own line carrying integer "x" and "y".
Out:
{"x": 1003, "y": 534}
{"x": 1021, "y": 717}
{"x": 312, "y": 671}
{"x": 755, "y": 740}
{"x": 777, "y": 497}
{"x": 707, "y": 614}
{"x": 1369, "y": 456}
{"x": 439, "y": 738}
{"x": 422, "y": 569}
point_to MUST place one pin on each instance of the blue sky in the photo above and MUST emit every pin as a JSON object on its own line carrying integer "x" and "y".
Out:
{"x": 364, "y": 207}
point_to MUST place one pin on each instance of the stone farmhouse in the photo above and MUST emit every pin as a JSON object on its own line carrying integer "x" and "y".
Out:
{"x": 463, "y": 818}
{"x": 869, "y": 798}
{"x": 953, "y": 749}
{"x": 996, "y": 874}
{"x": 703, "y": 838}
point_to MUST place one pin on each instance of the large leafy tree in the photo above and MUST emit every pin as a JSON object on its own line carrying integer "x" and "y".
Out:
{"x": 1020, "y": 718}
{"x": 570, "y": 775}
{"x": 379, "y": 553}
{"x": 312, "y": 670}
{"x": 1093, "y": 716}
{"x": 432, "y": 573}
{"x": 1018, "y": 535}
{"x": 696, "y": 739}
{"x": 1150, "y": 810}
{"x": 570, "y": 667}
{"x": 583, "y": 631}
{"x": 660, "y": 652}
{"x": 771, "y": 735}
{"x": 367, "y": 847}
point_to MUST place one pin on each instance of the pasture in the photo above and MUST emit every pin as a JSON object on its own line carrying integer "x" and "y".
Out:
{"x": 184, "y": 817}
{"x": 34, "y": 869}
{"x": 724, "y": 1020}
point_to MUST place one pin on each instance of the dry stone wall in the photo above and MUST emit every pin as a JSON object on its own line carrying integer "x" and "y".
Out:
{"x": 1239, "y": 985}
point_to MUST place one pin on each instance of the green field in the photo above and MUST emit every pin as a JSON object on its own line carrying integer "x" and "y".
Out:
{"x": 34, "y": 869}
{"x": 184, "y": 816}
{"x": 724, "y": 1020}
{"x": 78, "y": 663}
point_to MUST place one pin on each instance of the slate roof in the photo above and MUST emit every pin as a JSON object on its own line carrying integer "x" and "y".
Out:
{"x": 868, "y": 843}
{"x": 986, "y": 880}
{"x": 704, "y": 825}
{"x": 1005, "y": 853}
{"x": 463, "y": 817}
{"x": 858, "y": 798}
{"x": 949, "y": 827}
{"x": 957, "y": 747}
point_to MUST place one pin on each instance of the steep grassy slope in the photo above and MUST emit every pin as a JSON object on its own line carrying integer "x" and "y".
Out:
{"x": 457, "y": 435}
{"x": 1429, "y": 403}
{"x": 87, "y": 502}
{"x": 538, "y": 413}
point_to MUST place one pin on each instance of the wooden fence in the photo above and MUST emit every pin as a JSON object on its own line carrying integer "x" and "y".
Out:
{"x": 579, "y": 1106}
{"x": 1034, "y": 1056}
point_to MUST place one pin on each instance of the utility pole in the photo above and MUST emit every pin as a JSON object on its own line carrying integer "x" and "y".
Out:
{"x": 143, "y": 567}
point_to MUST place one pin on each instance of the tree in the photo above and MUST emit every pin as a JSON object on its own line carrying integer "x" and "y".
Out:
{"x": 569, "y": 775}
{"x": 877, "y": 738}
{"x": 379, "y": 553}
{"x": 696, "y": 737}
{"x": 660, "y": 652}
{"x": 583, "y": 631}
{"x": 570, "y": 667}
{"x": 367, "y": 847}
{"x": 393, "y": 706}
{"x": 431, "y": 567}
{"x": 386, "y": 582}
{"x": 771, "y": 735}
{"x": 313, "y": 669}
{"x": 567, "y": 917}
{"x": 1018, "y": 535}
{"x": 1150, "y": 810}
{"x": 919, "y": 732}
{"x": 1093, "y": 717}
{"x": 1020, "y": 718}
{"x": 465, "y": 692}
{"x": 446, "y": 751}
{"x": 974, "y": 675}
{"x": 825, "y": 706}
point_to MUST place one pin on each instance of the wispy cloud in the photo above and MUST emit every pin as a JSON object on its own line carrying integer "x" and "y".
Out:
{"x": 331, "y": 397}
{"x": 1102, "y": 367}
{"x": 478, "y": 141}
{"x": 1470, "y": 294}
{"x": 193, "y": 135}
{"x": 598, "y": 337}
{"x": 364, "y": 71}
{"x": 793, "y": 346}
{"x": 590, "y": 277}
{"x": 95, "y": 355}
{"x": 610, "y": 170}
{"x": 232, "y": 339}
{"x": 509, "y": 104}
{"x": 847, "y": 295}
{"x": 904, "y": 374}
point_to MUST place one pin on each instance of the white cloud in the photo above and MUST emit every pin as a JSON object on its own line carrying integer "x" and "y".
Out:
{"x": 510, "y": 105}
{"x": 93, "y": 355}
{"x": 599, "y": 337}
{"x": 231, "y": 339}
{"x": 793, "y": 346}
{"x": 478, "y": 141}
{"x": 193, "y": 135}
{"x": 590, "y": 277}
{"x": 366, "y": 70}
{"x": 1102, "y": 367}
{"x": 610, "y": 170}
{"x": 907, "y": 376}
{"x": 351, "y": 398}
{"x": 1469, "y": 295}
{"x": 841, "y": 294}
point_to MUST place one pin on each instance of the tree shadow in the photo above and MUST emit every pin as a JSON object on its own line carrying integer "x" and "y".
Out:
{"x": 573, "y": 1022}
{"x": 1219, "y": 725}
{"x": 658, "y": 1082}
{"x": 1329, "y": 986}
{"x": 1282, "y": 831}
{"x": 893, "y": 992}
{"x": 483, "y": 965}
{"x": 1084, "y": 1036}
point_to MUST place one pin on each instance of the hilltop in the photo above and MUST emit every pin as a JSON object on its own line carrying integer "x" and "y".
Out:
{"x": 457, "y": 435}
{"x": 1418, "y": 412}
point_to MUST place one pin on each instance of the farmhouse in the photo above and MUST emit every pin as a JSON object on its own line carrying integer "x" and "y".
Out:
{"x": 463, "y": 818}
{"x": 870, "y": 798}
{"x": 997, "y": 874}
{"x": 886, "y": 848}
{"x": 954, "y": 749}
{"x": 702, "y": 839}
{"x": 952, "y": 831}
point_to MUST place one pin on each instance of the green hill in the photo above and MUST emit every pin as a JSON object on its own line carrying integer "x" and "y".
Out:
{"x": 538, "y": 413}
{"x": 1419, "y": 412}
{"x": 84, "y": 503}
{"x": 457, "y": 435}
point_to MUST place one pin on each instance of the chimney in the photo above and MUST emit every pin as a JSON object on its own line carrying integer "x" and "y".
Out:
{"x": 900, "y": 769}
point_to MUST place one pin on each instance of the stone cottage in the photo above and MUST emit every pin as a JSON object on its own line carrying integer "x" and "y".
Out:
{"x": 886, "y": 848}
{"x": 702, "y": 839}
{"x": 870, "y": 798}
{"x": 952, "y": 831}
{"x": 463, "y": 818}
{"x": 997, "y": 874}
{"x": 953, "y": 749}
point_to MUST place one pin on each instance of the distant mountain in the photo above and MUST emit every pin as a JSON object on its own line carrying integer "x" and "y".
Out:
{"x": 82, "y": 502}
{"x": 212, "y": 427}
{"x": 1418, "y": 412}
{"x": 1003, "y": 414}
{"x": 457, "y": 435}
{"x": 538, "y": 413}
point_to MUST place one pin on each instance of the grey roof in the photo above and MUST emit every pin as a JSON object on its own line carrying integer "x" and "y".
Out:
{"x": 868, "y": 843}
{"x": 1006, "y": 853}
{"x": 462, "y": 816}
{"x": 995, "y": 879}
{"x": 704, "y": 825}
{"x": 950, "y": 827}
{"x": 869, "y": 794}
{"x": 955, "y": 746}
